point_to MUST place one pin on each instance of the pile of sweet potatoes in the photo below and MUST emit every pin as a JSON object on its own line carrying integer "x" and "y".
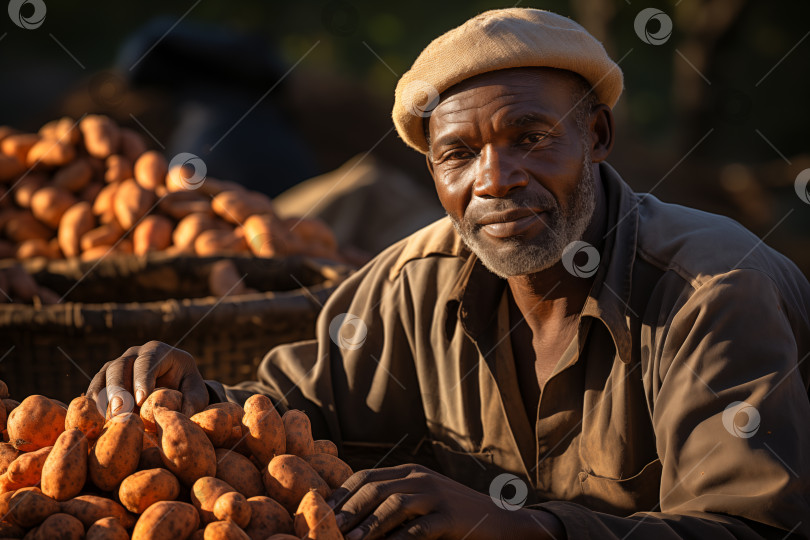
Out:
{"x": 91, "y": 189}
{"x": 154, "y": 473}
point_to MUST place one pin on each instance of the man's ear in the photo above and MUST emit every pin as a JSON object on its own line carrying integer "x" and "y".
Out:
{"x": 429, "y": 164}
{"x": 601, "y": 132}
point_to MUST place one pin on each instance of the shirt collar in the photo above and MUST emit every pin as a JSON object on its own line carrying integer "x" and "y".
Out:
{"x": 475, "y": 295}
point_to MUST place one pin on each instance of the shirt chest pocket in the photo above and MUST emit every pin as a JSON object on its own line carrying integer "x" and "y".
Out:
{"x": 637, "y": 493}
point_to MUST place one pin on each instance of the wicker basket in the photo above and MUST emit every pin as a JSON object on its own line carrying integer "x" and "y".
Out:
{"x": 54, "y": 350}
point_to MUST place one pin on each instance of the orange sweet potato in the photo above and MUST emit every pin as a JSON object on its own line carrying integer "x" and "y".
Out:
{"x": 77, "y": 221}
{"x": 131, "y": 203}
{"x": 224, "y": 530}
{"x": 50, "y": 153}
{"x": 103, "y": 206}
{"x": 331, "y": 468}
{"x": 35, "y": 423}
{"x": 160, "y": 397}
{"x": 233, "y": 507}
{"x": 299, "y": 433}
{"x": 26, "y": 186}
{"x": 65, "y": 469}
{"x": 102, "y": 137}
{"x": 238, "y": 205}
{"x": 217, "y": 425}
{"x": 204, "y": 494}
{"x": 10, "y": 167}
{"x": 153, "y": 233}
{"x": 179, "y": 204}
{"x": 323, "y": 446}
{"x": 26, "y": 470}
{"x": 315, "y": 520}
{"x": 104, "y": 235}
{"x": 50, "y": 203}
{"x": 266, "y": 236}
{"x": 267, "y": 517}
{"x": 150, "y": 458}
{"x": 19, "y": 145}
{"x": 108, "y": 528}
{"x": 239, "y": 472}
{"x": 83, "y": 414}
{"x": 75, "y": 176}
{"x": 38, "y": 247}
{"x": 219, "y": 241}
{"x": 117, "y": 451}
{"x": 7, "y": 455}
{"x": 62, "y": 129}
{"x": 184, "y": 447}
{"x": 90, "y": 508}
{"x": 263, "y": 428}
{"x": 22, "y": 226}
{"x": 118, "y": 168}
{"x": 132, "y": 144}
{"x": 141, "y": 489}
{"x": 224, "y": 279}
{"x": 151, "y": 169}
{"x": 61, "y": 526}
{"x": 29, "y": 507}
{"x": 191, "y": 226}
{"x": 287, "y": 478}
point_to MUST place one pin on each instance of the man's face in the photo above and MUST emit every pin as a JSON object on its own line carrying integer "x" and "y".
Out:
{"x": 512, "y": 168}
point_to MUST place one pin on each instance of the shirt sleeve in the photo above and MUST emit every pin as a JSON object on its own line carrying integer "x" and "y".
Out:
{"x": 730, "y": 413}
{"x": 356, "y": 381}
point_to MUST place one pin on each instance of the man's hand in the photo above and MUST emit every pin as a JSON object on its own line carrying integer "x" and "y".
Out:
{"x": 411, "y": 501}
{"x": 141, "y": 369}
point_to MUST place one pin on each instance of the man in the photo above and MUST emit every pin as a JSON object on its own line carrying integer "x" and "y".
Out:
{"x": 636, "y": 367}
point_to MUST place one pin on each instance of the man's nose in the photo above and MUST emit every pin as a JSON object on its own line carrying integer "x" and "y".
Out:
{"x": 498, "y": 174}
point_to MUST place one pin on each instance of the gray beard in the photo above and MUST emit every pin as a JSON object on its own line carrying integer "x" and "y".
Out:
{"x": 563, "y": 227}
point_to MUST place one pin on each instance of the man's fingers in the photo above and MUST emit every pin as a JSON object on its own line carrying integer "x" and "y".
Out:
{"x": 369, "y": 497}
{"x": 393, "y": 512}
{"x": 426, "y": 527}
{"x": 119, "y": 386}
{"x": 361, "y": 478}
{"x": 98, "y": 382}
{"x": 195, "y": 394}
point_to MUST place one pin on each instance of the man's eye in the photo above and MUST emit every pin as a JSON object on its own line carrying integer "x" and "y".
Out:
{"x": 534, "y": 138}
{"x": 459, "y": 154}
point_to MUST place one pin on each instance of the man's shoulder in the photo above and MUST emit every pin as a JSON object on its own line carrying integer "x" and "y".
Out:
{"x": 700, "y": 245}
{"x": 435, "y": 241}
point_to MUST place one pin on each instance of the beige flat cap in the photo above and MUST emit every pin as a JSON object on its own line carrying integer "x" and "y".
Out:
{"x": 493, "y": 40}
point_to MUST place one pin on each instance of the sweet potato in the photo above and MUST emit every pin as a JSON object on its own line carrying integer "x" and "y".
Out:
{"x": 102, "y": 136}
{"x": 77, "y": 221}
{"x": 153, "y": 233}
{"x": 224, "y": 279}
{"x": 233, "y": 409}
{"x": 287, "y": 478}
{"x": 10, "y": 167}
{"x": 150, "y": 440}
{"x": 160, "y": 397}
{"x": 22, "y": 226}
{"x": 217, "y": 425}
{"x": 103, "y": 206}
{"x": 233, "y": 507}
{"x": 7, "y": 455}
{"x": 132, "y": 144}
{"x": 238, "y": 205}
{"x": 191, "y": 226}
{"x": 74, "y": 176}
{"x": 267, "y": 517}
{"x": 118, "y": 168}
{"x": 265, "y": 236}
{"x": 315, "y": 519}
{"x": 151, "y": 169}
{"x": 38, "y": 247}
{"x": 4, "y": 394}
{"x": 141, "y": 489}
{"x": 131, "y": 203}
{"x": 185, "y": 177}
{"x": 224, "y": 530}
{"x": 150, "y": 458}
{"x": 312, "y": 235}
{"x": 50, "y": 153}
{"x": 331, "y": 468}
{"x": 117, "y": 451}
{"x": 65, "y": 469}
{"x": 26, "y": 470}
{"x": 99, "y": 252}
{"x": 323, "y": 446}
{"x": 90, "y": 508}
{"x": 29, "y": 507}
{"x": 35, "y": 423}
{"x": 204, "y": 494}
{"x": 19, "y": 145}
{"x": 90, "y": 192}
{"x": 179, "y": 204}
{"x": 50, "y": 203}
{"x": 5, "y": 497}
{"x": 185, "y": 449}
{"x": 166, "y": 520}
{"x": 282, "y": 537}
{"x": 108, "y": 528}
{"x": 218, "y": 241}
{"x": 63, "y": 129}
{"x": 9, "y": 404}
{"x": 83, "y": 414}
{"x": 264, "y": 429}
{"x": 9, "y": 530}
{"x": 60, "y": 526}
{"x": 298, "y": 432}
{"x": 104, "y": 235}
{"x": 26, "y": 186}
{"x": 238, "y": 471}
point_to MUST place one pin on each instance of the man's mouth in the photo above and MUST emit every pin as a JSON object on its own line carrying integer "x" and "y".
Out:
{"x": 511, "y": 222}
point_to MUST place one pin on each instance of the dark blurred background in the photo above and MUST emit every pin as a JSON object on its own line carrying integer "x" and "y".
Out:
{"x": 271, "y": 93}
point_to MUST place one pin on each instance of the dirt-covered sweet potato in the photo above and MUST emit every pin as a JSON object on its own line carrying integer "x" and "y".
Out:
{"x": 83, "y": 414}
{"x": 151, "y": 169}
{"x": 204, "y": 494}
{"x": 167, "y": 520}
{"x": 238, "y": 205}
{"x": 324, "y": 446}
{"x": 233, "y": 507}
{"x": 219, "y": 241}
{"x": 26, "y": 470}
{"x": 331, "y": 468}
{"x": 264, "y": 429}
{"x": 141, "y": 489}
{"x": 238, "y": 471}
{"x": 60, "y": 526}
{"x": 48, "y": 153}
{"x": 184, "y": 447}
{"x": 118, "y": 168}
{"x": 160, "y": 397}
{"x": 117, "y": 451}
{"x": 267, "y": 517}
{"x": 102, "y": 136}
{"x": 29, "y": 507}
{"x": 35, "y": 423}
{"x": 77, "y": 221}
{"x": 50, "y": 203}
{"x": 217, "y": 425}
{"x": 9, "y": 530}
{"x": 65, "y": 469}
{"x": 298, "y": 432}
{"x": 7, "y": 455}
{"x": 90, "y": 508}
{"x": 150, "y": 459}
{"x": 131, "y": 203}
{"x": 75, "y": 176}
{"x": 153, "y": 233}
{"x": 287, "y": 478}
{"x": 315, "y": 519}
{"x": 108, "y": 528}
{"x": 224, "y": 530}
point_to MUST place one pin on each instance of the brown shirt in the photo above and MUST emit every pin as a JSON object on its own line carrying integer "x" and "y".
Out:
{"x": 689, "y": 313}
